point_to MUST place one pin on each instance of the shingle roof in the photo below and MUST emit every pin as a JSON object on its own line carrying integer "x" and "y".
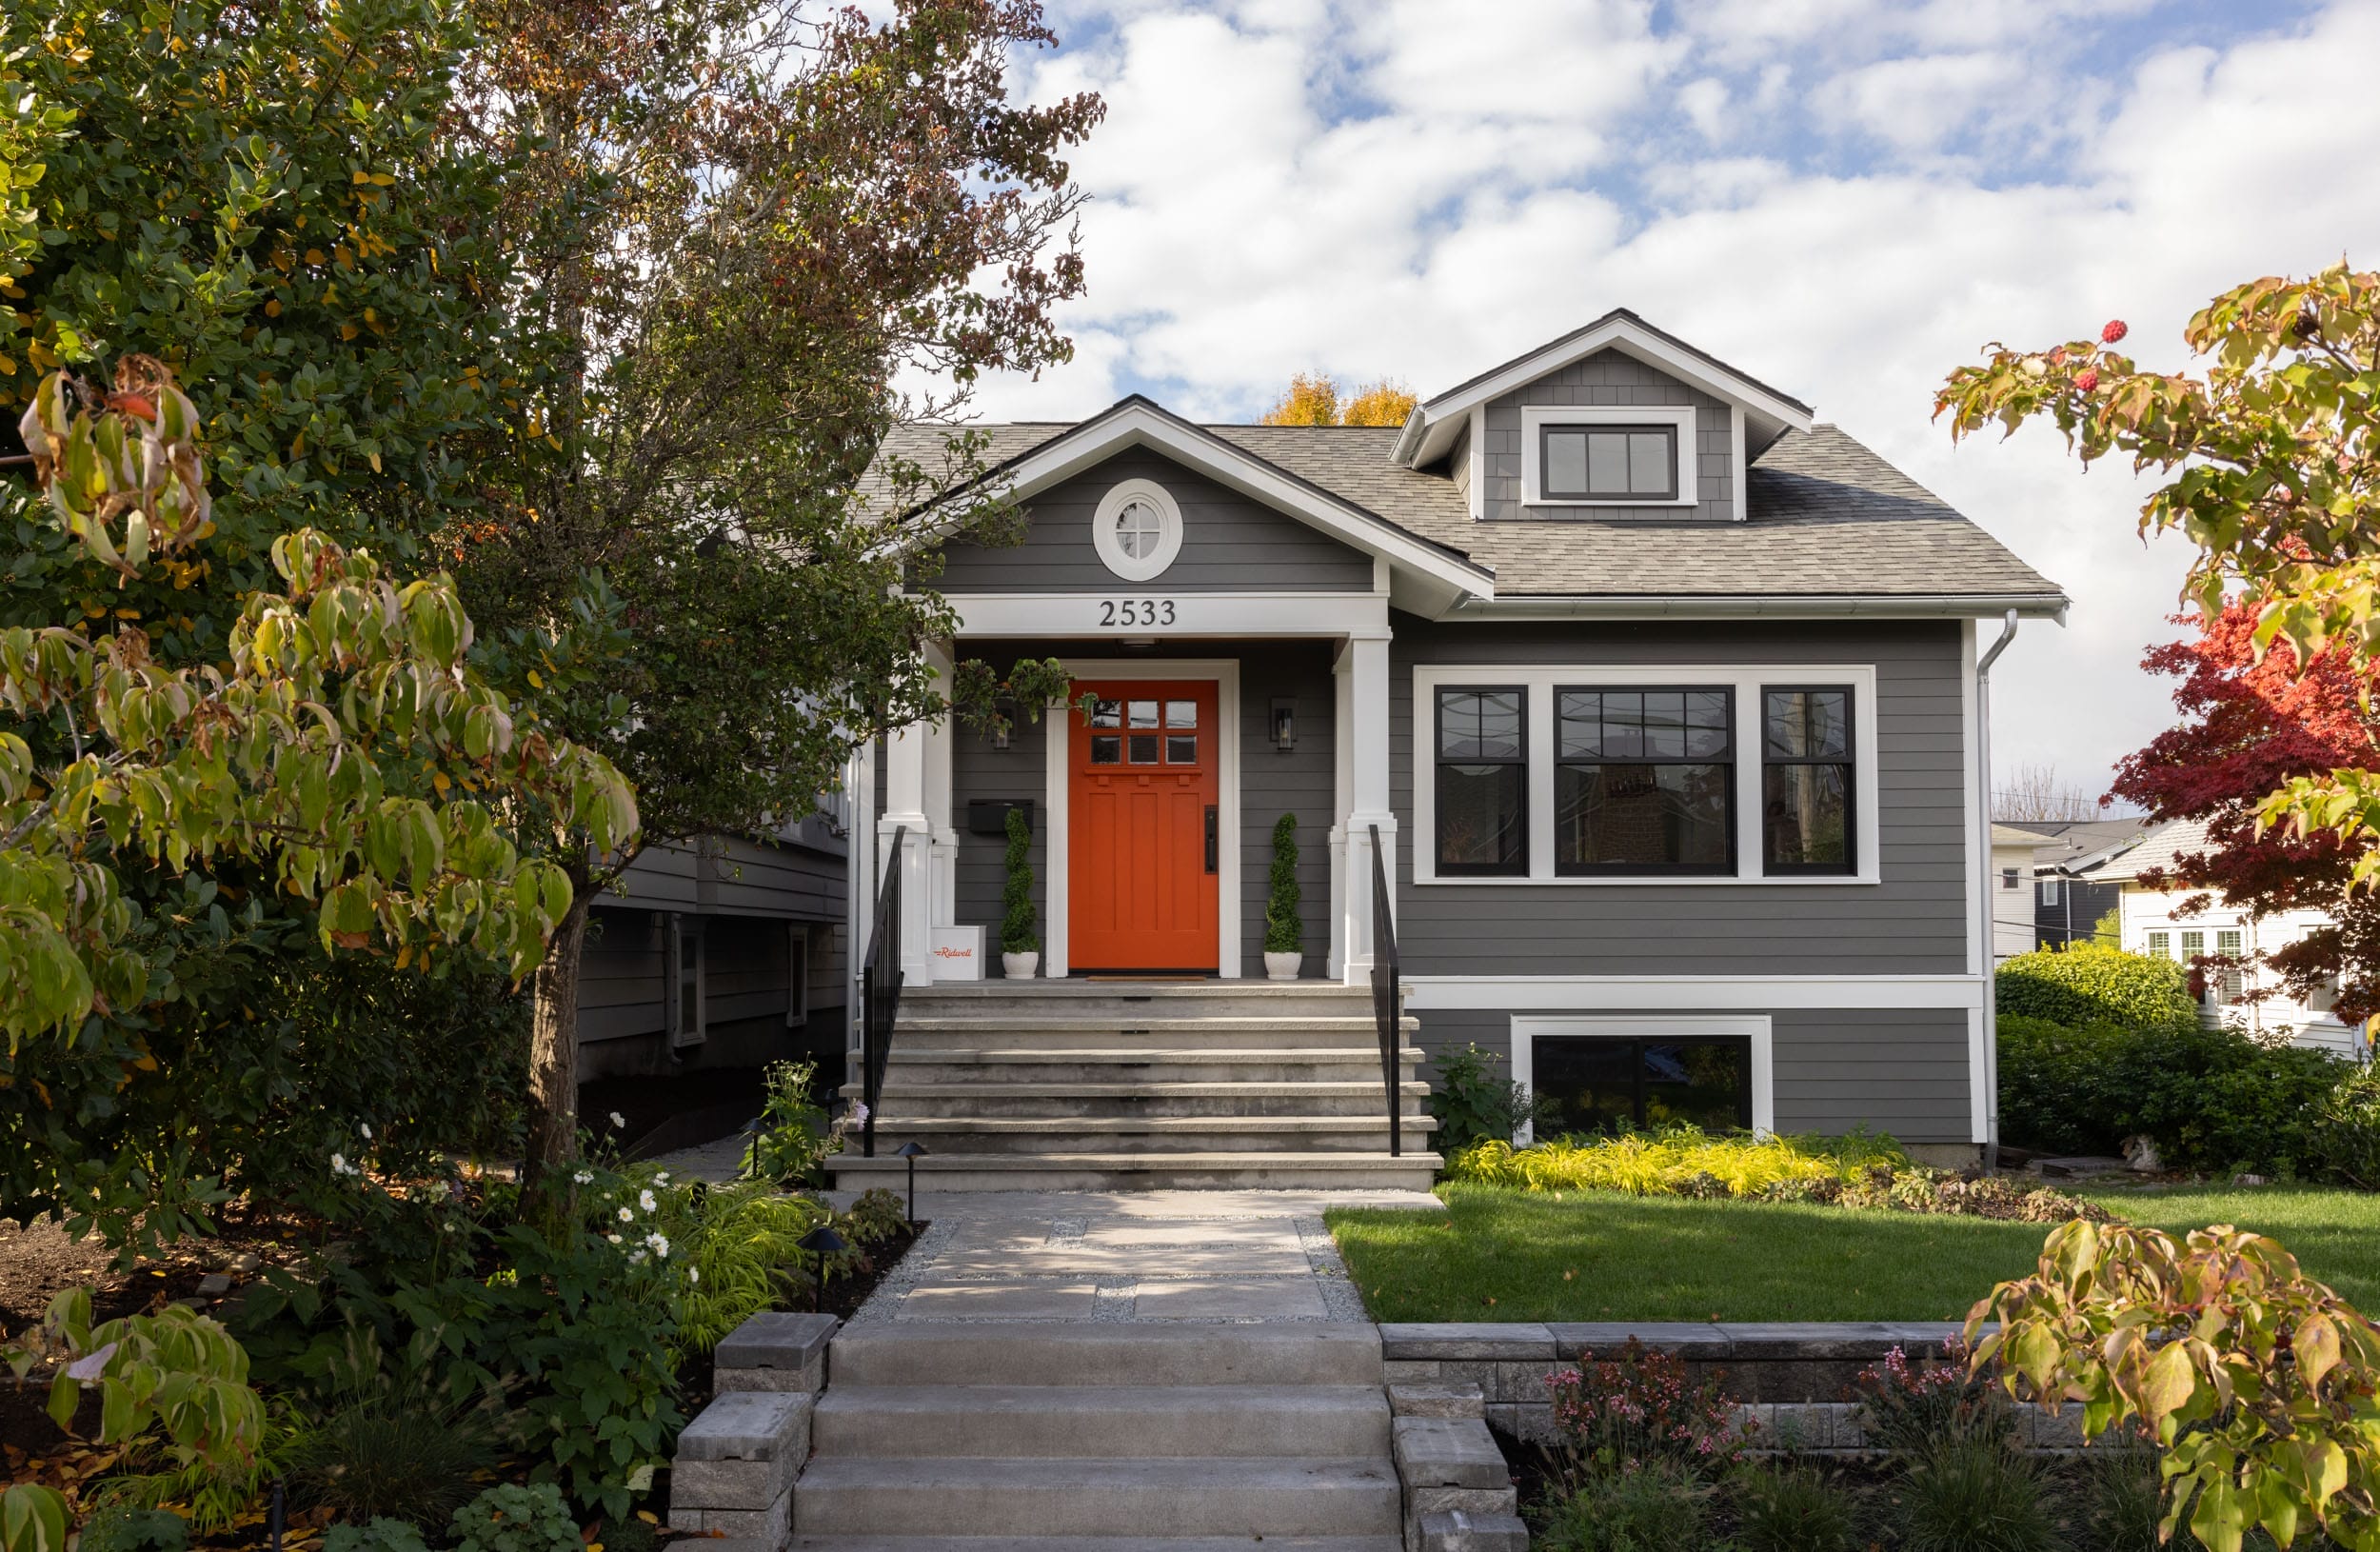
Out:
{"x": 2156, "y": 850}
{"x": 1584, "y": 329}
{"x": 1825, "y": 518}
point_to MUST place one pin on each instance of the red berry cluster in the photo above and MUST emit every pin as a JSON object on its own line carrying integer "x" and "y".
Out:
{"x": 2114, "y": 331}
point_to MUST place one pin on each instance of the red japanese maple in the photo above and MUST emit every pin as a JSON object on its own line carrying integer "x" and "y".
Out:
{"x": 2248, "y": 727}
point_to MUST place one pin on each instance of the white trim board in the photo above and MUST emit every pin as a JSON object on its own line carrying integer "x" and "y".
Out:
{"x": 1540, "y": 680}
{"x": 1055, "y": 784}
{"x": 1694, "y": 993}
{"x": 1681, "y": 418}
{"x": 1156, "y": 611}
{"x": 1753, "y": 1027}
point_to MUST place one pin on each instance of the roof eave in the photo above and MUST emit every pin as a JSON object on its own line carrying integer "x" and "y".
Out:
{"x": 1766, "y": 606}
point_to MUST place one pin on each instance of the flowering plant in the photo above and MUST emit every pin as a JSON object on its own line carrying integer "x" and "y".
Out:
{"x": 1915, "y": 1408}
{"x": 1616, "y": 1414}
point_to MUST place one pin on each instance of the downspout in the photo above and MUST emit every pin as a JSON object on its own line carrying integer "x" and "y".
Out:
{"x": 1983, "y": 893}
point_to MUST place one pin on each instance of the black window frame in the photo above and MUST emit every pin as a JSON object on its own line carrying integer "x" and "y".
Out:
{"x": 1726, "y": 762}
{"x": 1545, "y": 463}
{"x": 1519, "y": 868}
{"x": 1849, "y": 760}
{"x": 1740, "y": 1044}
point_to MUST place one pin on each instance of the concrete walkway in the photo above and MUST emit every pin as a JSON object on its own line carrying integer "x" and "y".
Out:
{"x": 1154, "y": 1258}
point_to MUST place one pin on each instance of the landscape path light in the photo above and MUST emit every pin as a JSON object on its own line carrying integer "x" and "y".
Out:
{"x": 820, "y": 1242}
{"x": 912, "y": 1151}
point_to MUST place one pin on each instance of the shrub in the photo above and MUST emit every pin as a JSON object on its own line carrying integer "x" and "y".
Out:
{"x": 1019, "y": 928}
{"x": 2347, "y": 1128}
{"x": 743, "y": 1255}
{"x": 2062, "y": 1088}
{"x": 2123, "y": 1499}
{"x": 2087, "y": 982}
{"x": 121, "y": 1528}
{"x": 1970, "y": 1496}
{"x": 1283, "y": 932}
{"x": 1660, "y": 1508}
{"x": 1912, "y": 1410}
{"x": 795, "y": 1137}
{"x": 1795, "y": 1509}
{"x": 375, "y": 1536}
{"x": 1473, "y": 1103}
{"x": 508, "y": 1517}
{"x": 1659, "y": 1163}
{"x": 1618, "y": 1414}
{"x": 395, "y": 1441}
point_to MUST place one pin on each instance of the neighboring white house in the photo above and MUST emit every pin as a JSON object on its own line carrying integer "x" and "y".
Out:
{"x": 2012, "y": 891}
{"x": 2153, "y": 924}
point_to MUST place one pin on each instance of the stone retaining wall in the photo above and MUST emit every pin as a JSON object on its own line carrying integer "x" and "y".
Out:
{"x": 736, "y": 1463}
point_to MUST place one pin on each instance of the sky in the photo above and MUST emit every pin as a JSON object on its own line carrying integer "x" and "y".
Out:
{"x": 1844, "y": 198}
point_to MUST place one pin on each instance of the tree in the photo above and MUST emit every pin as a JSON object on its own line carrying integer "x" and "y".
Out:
{"x": 2272, "y": 458}
{"x": 268, "y": 200}
{"x": 2036, "y": 793}
{"x": 754, "y": 239}
{"x": 1312, "y": 399}
{"x": 2252, "y": 724}
{"x": 342, "y": 747}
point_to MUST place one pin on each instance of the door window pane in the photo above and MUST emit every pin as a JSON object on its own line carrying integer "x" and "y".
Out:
{"x": 1142, "y": 748}
{"x": 1106, "y": 749}
{"x": 1180, "y": 750}
{"x": 1143, "y": 713}
{"x": 1107, "y": 713}
{"x": 1181, "y": 713}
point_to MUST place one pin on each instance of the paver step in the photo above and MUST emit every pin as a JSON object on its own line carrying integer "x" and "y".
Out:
{"x": 1116, "y": 1421}
{"x": 927, "y": 1496}
{"x": 1174, "y": 1025}
{"x": 1413, "y": 1170}
{"x": 1146, "y": 1134}
{"x": 1030, "y": 1353}
{"x": 1144, "y": 1065}
{"x": 1252, "y": 1098}
{"x": 1091, "y": 1544}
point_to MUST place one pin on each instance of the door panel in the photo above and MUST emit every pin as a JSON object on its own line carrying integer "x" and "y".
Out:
{"x": 1142, "y": 775}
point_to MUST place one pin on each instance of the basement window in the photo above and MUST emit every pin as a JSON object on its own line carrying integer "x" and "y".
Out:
{"x": 1592, "y": 1084}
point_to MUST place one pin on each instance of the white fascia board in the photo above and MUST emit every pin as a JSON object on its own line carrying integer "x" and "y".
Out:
{"x": 1690, "y": 993}
{"x": 1138, "y": 610}
{"x": 1137, "y": 427}
{"x": 1621, "y": 334}
{"x": 1815, "y": 606}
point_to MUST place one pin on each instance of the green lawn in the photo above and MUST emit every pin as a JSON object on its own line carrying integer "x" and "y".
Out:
{"x": 1498, "y": 1254}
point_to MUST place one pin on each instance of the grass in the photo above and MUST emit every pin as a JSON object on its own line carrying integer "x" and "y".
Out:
{"x": 1500, "y": 1254}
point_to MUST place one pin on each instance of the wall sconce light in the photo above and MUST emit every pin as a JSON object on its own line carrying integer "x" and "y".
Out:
{"x": 999, "y": 736}
{"x": 1284, "y": 726}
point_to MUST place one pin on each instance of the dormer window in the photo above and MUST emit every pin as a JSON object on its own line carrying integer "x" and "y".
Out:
{"x": 1608, "y": 463}
{"x": 1608, "y": 456}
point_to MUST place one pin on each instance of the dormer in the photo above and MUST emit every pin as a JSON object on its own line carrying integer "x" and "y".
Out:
{"x": 1618, "y": 420}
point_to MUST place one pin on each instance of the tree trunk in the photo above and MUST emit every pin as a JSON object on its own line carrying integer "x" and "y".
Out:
{"x": 553, "y": 1143}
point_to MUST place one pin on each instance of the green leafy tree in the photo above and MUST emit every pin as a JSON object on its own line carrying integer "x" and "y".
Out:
{"x": 1284, "y": 933}
{"x": 1019, "y": 928}
{"x": 750, "y": 225}
{"x": 340, "y": 750}
{"x": 2272, "y": 462}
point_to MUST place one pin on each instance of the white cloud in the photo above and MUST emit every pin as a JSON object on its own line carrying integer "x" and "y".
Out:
{"x": 1384, "y": 190}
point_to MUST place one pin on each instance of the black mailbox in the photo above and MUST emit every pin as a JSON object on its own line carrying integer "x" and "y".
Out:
{"x": 989, "y": 816}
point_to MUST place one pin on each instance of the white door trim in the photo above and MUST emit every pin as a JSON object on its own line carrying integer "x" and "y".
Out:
{"x": 1056, "y": 781}
{"x": 1755, "y": 1027}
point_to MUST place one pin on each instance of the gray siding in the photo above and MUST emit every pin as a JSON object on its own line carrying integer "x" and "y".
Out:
{"x": 737, "y": 876}
{"x": 1229, "y": 543}
{"x": 1272, "y": 783}
{"x": 1610, "y": 378}
{"x": 1912, "y": 922}
{"x": 1834, "y": 1069}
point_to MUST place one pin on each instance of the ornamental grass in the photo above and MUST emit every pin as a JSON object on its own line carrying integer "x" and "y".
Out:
{"x": 1677, "y": 1160}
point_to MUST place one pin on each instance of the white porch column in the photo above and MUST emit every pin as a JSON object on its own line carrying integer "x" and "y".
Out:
{"x": 904, "y": 809}
{"x": 940, "y": 739}
{"x": 1367, "y": 703}
{"x": 1342, "y": 797}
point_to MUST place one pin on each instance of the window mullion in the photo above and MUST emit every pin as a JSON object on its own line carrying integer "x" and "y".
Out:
{"x": 1541, "y": 729}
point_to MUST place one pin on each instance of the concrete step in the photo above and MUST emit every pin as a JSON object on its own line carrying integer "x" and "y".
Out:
{"x": 1253, "y": 1098}
{"x": 1282, "y": 1496}
{"x": 1147, "y": 1134}
{"x": 1414, "y": 1170}
{"x": 1116, "y": 1421}
{"x": 1105, "y": 999}
{"x": 1031, "y": 1353}
{"x": 1139, "y": 1065}
{"x": 1092, "y": 1543}
{"x": 1179, "y": 1028}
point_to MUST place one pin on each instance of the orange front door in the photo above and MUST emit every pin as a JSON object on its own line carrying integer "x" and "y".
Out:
{"x": 1141, "y": 827}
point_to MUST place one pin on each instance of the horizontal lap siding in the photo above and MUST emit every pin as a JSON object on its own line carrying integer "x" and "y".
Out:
{"x": 1229, "y": 543}
{"x": 777, "y": 881}
{"x": 620, "y": 976}
{"x": 1014, "y": 775}
{"x": 1912, "y": 922}
{"x": 1903, "y": 1072}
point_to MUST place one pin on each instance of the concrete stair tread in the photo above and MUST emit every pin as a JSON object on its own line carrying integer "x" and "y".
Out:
{"x": 1250, "y": 1054}
{"x": 942, "y": 1162}
{"x": 1256, "y": 1024}
{"x": 994, "y": 1398}
{"x": 1091, "y": 1090}
{"x": 1094, "y": 1353}
{"x": 894, "y": 1122}
{"x": 1093, "y": 1473}
{"x": 1229, "y": 1422}
{"x": 1088, "y": 1496}
{"x": 1265, "y": 1541}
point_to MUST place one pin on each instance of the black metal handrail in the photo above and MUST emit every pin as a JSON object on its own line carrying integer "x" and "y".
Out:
{"x": 879, "y": 993}
{"x": 1387, "y": 1000}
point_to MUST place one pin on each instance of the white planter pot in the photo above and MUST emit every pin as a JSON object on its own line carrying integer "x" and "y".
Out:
{"x": 1281, "y": 967}
{"x": 1020, "y": 967}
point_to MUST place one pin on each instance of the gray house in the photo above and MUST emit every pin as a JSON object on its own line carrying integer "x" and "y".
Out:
{"x": 1657, "y": 696}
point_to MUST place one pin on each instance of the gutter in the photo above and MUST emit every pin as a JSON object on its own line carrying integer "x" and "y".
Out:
{"x": 1983, "y": 884}
{"x": 1767, "y": 606}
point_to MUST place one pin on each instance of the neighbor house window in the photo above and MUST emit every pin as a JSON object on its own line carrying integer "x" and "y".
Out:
{"x": 1643, "y": 780}
{"x": 1590, "y": 1084}
{"x": 1483, "y": 783}
{"x": 2009, "y": 878}
{"x": 2160, "y": 946}
{"x": 1608, "y": 463}
{"x": 2226, "y": 984}
{"x": 2049, "y": 891}
{"x": 1806, "y": 781}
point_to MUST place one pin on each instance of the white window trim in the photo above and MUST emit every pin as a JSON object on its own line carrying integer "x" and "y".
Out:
{"x": 1540, "y": 680}
{"x": 1537, "y": 416}
{"x": 1757, "y": 1027}
{"x": 1137, "y": 568}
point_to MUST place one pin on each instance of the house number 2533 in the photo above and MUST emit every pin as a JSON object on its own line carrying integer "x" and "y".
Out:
{"x": 1136, "y": 611}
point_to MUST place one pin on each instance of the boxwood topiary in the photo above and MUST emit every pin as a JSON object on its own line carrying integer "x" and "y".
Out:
{"x": 2091, "y": 983}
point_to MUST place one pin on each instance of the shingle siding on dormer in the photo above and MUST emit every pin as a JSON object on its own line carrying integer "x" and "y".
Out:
{"x": 1609, "y": 378}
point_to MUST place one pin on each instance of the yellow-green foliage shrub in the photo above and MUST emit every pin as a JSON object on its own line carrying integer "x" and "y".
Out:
{"x": 1680, "y": 1160}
